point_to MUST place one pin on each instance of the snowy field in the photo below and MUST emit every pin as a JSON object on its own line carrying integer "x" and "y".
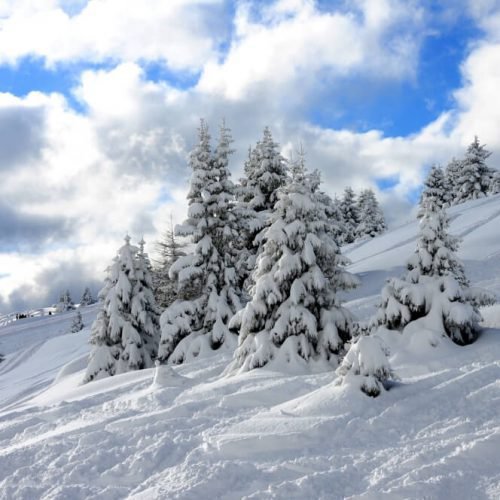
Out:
{"x": 196, "y": 434}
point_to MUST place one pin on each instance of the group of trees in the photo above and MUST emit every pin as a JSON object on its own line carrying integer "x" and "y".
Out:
{"x": 66, "y": 302}
{"x": 262, "y": 275}
{"x": 358, "y": 218}
{"x": 464, "y": 179}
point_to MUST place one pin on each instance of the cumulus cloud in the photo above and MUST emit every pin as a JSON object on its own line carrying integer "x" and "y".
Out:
{"x": 292, "y": 41}
{"x": 181, "y": 33}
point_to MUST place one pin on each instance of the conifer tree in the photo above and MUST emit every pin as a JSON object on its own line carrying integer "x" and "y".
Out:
{"x": 87, "y": 298}
{"x": 435, "y": 189}
{"x": 475, "y": 176}
{"x": 77, "y": 324}
{"x": 169, "y": 249}
{"x": 495, "y": 183}
{"x": 366, "y": 366}
{"x": 197, "y": 322}
{"x": 452, "y": 175}
{"x": 266, "y": 172}
{"x": 295, "y": 315}
{"x": 350, "y": 215}
{"x": 122, "y": 335}
{"x": 371, "y": 217}
{"x": 65, "y": 302}
{"x": 435, "y": 289}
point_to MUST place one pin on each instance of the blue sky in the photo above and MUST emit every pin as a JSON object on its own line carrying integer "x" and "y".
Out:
{"x": 100, "y": 100}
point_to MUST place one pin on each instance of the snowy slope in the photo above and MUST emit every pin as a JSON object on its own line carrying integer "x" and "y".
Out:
{"x": 435, "y": 434}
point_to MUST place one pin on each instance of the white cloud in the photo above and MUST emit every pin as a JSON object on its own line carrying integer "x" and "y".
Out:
{"x": 293, "y": 40}
{"x": 180, "y": 32}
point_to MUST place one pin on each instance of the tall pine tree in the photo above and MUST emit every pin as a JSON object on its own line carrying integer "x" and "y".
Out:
{"x": 295, "y": 316}
{"x": 196, "y": 323}
{"x": 371, "y": 217}
{"x": 123, "y": 335}
{"x": 350, "y": 215}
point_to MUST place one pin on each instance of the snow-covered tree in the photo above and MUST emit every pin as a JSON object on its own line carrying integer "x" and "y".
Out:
{"x": 77, "y": 324}
{"x": 265, "y": 172}
{"x": 452, "y": 175}
{"x": 169, "y": 249}
{"x": 495, "y": 182}
{"x": 475, "y": 176}
{"x": 371, "y": 217}
{"x": 209, "y": 295}
{"x": 121, "y": 336}
{"x": 435, "y": 189}
{"x": 295, "y": 315}
{"x": 65, "y": 303}
{"x": 87, "y": 298}
{"x": 350, "y": 215}
{"x": 366, "y": 366}
{"x": 435, "y": 291}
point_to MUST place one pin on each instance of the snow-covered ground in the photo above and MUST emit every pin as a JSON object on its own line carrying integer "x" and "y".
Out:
{"x": 197, "y": 434}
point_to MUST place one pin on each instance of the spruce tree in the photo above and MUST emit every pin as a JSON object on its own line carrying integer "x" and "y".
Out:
{"x": 350, "y": 215}
{"x": 209, "y": 295}
{"x": 475, "y": 176}
{"x": 123, "y": 336}
{"x": 65, "y": 302}
{"x": 265, "y": 172}
{"x": 452, "y": 175}
{"x": 295, "y": 316}
{"x": 77, "y": 324}
{"x": 435, "y": 290}
{"x": 435, "y": 189}
{"x": 87, "y": 298}
{"x": 366, "y": 366}
{"x": 371, "y": 217}
{"x": 495, "y": 183}
{"x": 169, "y": 250}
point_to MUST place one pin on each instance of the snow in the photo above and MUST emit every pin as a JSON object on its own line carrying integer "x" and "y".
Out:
{"x": 190, "y": 431}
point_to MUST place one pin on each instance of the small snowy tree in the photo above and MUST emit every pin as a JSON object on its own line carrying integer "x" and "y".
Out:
{"x": 435, "y": 189}
{"x": 169, "y": 250}
{"x": 77, "y": 324}
{"x": 350, "y": 215}
{"x": 87, "y": 298}
{"x": 475, "y": 176}
{"x": 197, "y": 322}
{"x": 121, "y": 334}
{"x": 371, "y": 217}
{"x": 295, "y": 315}
{"x": 452, "y": 175}
{"x": 65, "y": 302}
{"x": 366, "y": 366}
{"x": 495, "y": 182}
{"x": 435, "y": 291}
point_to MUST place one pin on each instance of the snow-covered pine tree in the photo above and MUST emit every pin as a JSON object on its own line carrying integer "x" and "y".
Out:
{"x": 169, "y": 249}
{"x": 475, "y": 176}
{"x": 295, "y": 316}
{"x": 371, "y": 217}
{"x": 435, "y": 190}
{"x": 350, "y": 214}
{"x": 120, "y": 343}
{"x": 366, "y": 366}
{"x": 144, "y": 308}
{"x": 87, "y": 298}
{"x": 495, "y": 183}
{"x": 77, "y": 324}
{"x": 265, "y": 172}
{"x": 65, "y": 302}
{"x": 197, "y": 323}
{"x": 435, "y": 290}
{"x": 452, "y": 175}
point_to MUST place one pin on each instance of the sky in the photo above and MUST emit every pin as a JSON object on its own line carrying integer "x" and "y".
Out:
{"x": 100, "y": 101}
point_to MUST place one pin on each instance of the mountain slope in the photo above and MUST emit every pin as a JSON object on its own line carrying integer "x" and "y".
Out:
{"x": 197, "y": 434}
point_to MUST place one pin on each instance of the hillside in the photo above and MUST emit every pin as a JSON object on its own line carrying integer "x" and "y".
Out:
{"x": 197, "y": 434}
